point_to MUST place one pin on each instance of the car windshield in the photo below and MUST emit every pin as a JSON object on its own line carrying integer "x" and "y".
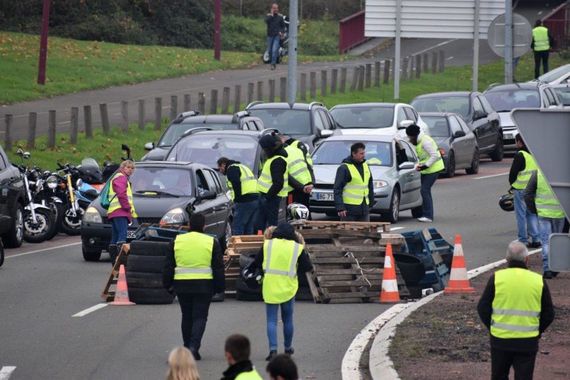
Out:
{"x": 554, "y": 74}
{"x": 364, "y": 117}
{"x": 333, "y": 152}
{"x": 174, "y": 131}
{"x": 437, "y": 125}
{"x": 164, "y": 181}
{"x": 506, "y": 100}
{"x": 206, "y": 149}
{"x": 458, "y": 104}
{"x": 292, "y": 122}
{"x": 563, "y": 94}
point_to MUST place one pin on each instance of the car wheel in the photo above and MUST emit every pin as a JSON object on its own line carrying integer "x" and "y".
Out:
{"x": 15, "y": 236}
{"x": 1, "y": 254}
{"x": 225, "y": 240}
{"x": 394, "y": 212}
{"x": 499, "y": 151}
{"x": 450, "y": 169}
{"x": 474, "y": 168}
{"x": 90, "y": 254}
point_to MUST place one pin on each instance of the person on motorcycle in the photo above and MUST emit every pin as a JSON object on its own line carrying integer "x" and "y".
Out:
{"x": 275, "y": 29}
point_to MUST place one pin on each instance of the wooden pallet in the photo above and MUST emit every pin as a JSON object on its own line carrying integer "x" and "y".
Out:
{"x": 108, "y": 294}
{"x": 336, "y": 225}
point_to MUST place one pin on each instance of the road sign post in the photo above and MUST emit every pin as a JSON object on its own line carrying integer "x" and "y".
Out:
{"x": 397, "y": 49}
{"x": 292, "y": 64}
{"x": 508, "y": 41}
{"x": 475, "y": 75}
{"x": 44, "y": 43}
{"x": 217, "y": 29}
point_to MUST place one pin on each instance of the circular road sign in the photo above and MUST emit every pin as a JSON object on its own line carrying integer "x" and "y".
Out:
{"x": 522, "y": 35}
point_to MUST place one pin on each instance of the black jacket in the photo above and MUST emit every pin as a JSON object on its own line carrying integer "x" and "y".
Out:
{"x": 217, "y": 285}
{"x": 299, "y": 145}
{"x": 485, "y": 310}
{"x": 530, "y": 193}
{"x": 275, "y": 24}
{"x": 342, "y": 178}
{"x": 234, "y": 370}
{"x": 278, "y": 168}
{"x": 517, "y": 166}
{"x": 233, "y": 175}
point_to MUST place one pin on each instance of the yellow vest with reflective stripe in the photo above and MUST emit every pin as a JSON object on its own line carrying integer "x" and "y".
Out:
{"x": 524, "y": 175}
{"x": 251, "y": 375}
{"x": 264, "y": 181}
{"x": 114, "y": 204}
{"x": 193, "y": 256}
{"x": 547, "y": 205}
{"x": 296, "y": 165}
{"x": 540, "y": 37}
{"x": 517, "y": 304}
{"x": 423, "y": 156}
{"x": 356, "y": 191}
{"x": 247, "y": 179}
{"x": 280, "y": 282}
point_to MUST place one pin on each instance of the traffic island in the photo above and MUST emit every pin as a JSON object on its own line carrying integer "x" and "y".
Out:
{"x": 445, "y": 338}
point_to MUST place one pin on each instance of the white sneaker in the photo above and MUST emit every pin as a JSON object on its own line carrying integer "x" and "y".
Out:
{"x": 423, "y": 219}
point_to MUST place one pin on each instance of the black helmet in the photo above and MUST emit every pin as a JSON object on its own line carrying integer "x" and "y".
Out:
{"x": 506, "y": 202}
{"x": 270, "y": 141}
{"x": 252, "y": 277}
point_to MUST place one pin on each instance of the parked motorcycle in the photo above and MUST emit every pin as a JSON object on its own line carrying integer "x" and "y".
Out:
{"x": 46, "y": 194}
{"x": 283, "y": 45}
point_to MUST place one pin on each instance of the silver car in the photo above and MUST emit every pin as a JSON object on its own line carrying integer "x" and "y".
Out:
{"x": 396, "y": 182}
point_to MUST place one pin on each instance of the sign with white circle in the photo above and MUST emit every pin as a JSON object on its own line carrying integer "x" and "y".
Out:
{"x": 522, "y": 35}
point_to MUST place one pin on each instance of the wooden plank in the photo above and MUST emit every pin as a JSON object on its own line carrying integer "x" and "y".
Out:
{"x": 352, "y": 271}
{"x": 313, "y": 287}
{"x": 346, "y": 260}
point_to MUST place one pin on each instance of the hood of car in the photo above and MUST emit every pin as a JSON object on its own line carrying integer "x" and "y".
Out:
{"x": 368, "y": 131}
{"x": 325, "y": 174}
{"x": 152, "y": 206}
{"x": 157, "y": 154}
{"x": 506, "y": 120}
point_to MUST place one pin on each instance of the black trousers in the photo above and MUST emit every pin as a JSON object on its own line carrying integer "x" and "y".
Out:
{"x": 538, "y": 57}
{"x": 522, "y": 363}
{"x": 195, "y": 309}
{"x": 299, "y": 196}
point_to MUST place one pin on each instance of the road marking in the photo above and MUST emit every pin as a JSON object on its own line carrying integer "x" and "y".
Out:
{"x": 491, "y": 176}
{"x": 43, "y": 250}
{"x": 434, "y": 46}
{"x": 89, "y": 310}
{"x": 6, "y": 372}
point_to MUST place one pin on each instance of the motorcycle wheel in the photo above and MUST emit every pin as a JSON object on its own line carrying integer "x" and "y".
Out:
{"x": 40, "y": 230}
{"x": 265, "y": 57}
{"x": 57, "y": 210}
{"x": 71, "y": 225}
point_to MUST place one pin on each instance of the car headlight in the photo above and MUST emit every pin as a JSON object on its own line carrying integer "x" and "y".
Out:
{"x": 174, "y": 216}
{"x": 51, "y": 182}
{"x": 92, "y": 215}
{"x": 379, "y": 184}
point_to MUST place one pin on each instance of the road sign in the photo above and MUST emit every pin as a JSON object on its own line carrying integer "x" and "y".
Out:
{"x": 522, "y": 35}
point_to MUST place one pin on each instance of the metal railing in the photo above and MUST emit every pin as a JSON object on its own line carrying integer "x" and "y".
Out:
{"x": 351, "y": 32}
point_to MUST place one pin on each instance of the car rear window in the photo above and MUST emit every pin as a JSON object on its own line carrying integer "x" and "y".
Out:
{"x": 506, "y": 100}
{"x": 292, "y": 122}
{"x": 333, "y": 152}
{"x": 174, "y": 131}
{"x": 437, "y": 125}
{"x": 363, "y": 117}
{"x": 173, "y": 181}
{"x": 453, "y": 103}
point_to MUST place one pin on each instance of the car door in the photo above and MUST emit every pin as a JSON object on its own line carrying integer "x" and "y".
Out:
{"x": 221, "y": 204}
{"x": 470, "y": 141}
{"x": 410, "y": 179}
{"x": 482, "y": 127}
{"x": 205, "y": 206}
{"x": 458, "y": 144}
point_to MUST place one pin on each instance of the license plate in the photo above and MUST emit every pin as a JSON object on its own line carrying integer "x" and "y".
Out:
{"x": 325, "y": 196}
{"x": 131, "y": 234}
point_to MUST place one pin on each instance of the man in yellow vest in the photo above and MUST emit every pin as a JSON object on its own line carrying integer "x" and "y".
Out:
{"x": 243, "y": 188}
{"x": 353, "y": 186}
{"x": 194, "y": 269}
{"x": 238, "y": 350}
{"x": 540, "y": 45}
{"x": 517, "y": 308}
{"x": 522, "y": 168}
{"x": 430, "y": 166}
{"x": 282, "y": 367}
{"x": 300, "y": 168}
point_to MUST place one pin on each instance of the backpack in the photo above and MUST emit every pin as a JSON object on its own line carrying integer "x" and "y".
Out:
{"x": 104, "y": 195}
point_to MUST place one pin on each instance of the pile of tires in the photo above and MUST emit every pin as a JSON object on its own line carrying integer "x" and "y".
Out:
{"x": 144, "y": 273}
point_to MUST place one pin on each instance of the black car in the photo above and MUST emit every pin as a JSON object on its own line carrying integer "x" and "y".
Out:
{"x": 192, "y": 120}
{"x": 12, "y": 195}
{"x": 164, "y": 193}
{"x": 307, "y": 123}
{"x": 475, "y": 111}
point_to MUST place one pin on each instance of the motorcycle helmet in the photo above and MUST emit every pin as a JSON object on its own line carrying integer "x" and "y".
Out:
{"x": 270, "y": 142}
{"x": 297, "y": 211}
{"x": 506, "y": 202}
{"x": 252, "y": 277}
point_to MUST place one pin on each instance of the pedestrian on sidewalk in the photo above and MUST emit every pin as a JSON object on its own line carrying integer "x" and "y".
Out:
{"x": 430, "y": 166}
{"x": 517, "y": 308}
{"x": 237, "y": 350}
{"x": 541, "y": 43}
{"x": 194, "y": 269}
{"x": 181, "y": 365}
{"x": 275, "y": 29}
{"x": 353, "y": 186}
{"x": 522, "y": 168}
{"x": 300, "y": 167}
{"x": 282, "y": 367}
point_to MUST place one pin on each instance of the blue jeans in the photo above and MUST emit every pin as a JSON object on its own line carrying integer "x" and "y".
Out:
{"x": 287, "y": 318}
{"x": 546, "y": 227}
{"x": 527, "y": 222}
{"x": 273, "y": 48}
{"x": 244, "y": 217}
{"x": 268, "y": 214}
{"x": 427, "y": 202}
{"x": 119, "y": 229}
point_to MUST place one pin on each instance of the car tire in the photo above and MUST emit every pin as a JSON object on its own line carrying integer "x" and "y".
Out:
{"x": 450, "y": 167}
{"x": 90, "y": 254}
{"x": 225, "y": 239}
{"x": 393, "y": 214}
{"x": 148, "y": 248}
{"x": 144, "y": 280}
{"x": 146, "y": 296}
{"x": 15, "y": 236}
{"x": 1, "y": 254}
{"x": 499, "y": 151}
{"x": 146, "y": 264}
{"x": 474, "y": 168}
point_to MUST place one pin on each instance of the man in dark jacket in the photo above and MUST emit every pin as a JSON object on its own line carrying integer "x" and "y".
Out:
{"x": 517, "y": 308}
{"x": 275, "y": 28}
{"x": 353, "y": 186}
{"x": 238, "y": 350}
{"x": 194, "y": 269}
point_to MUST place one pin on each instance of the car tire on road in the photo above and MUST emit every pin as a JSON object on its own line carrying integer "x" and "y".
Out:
{"x": 90, "y": 254}
{"x": 394, "y": 212}
{"x": 474, "y": 168}
{"x": 450, "y": 167}
{"x": 15, "y": 236}
{"x": 1, "y": 254}
{"x": 144, "y": 280}
{"x": 148, "y": 296}
{"x": 499, "y": 151}
{"x": 146, "y": 264}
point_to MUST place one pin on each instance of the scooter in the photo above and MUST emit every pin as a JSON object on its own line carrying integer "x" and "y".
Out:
{"x": 283, "y": 45}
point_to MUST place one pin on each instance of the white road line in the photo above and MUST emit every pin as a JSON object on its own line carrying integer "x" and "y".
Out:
{"x": 6, "y": 372}
{"x": 89, "y": 310}
{"x": 492, "y": 176}
{"x": 434, "y": 46}
{"x": 43, "y": 250}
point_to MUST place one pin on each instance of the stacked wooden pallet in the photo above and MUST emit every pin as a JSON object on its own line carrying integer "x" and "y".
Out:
{"x": 237, "y": 246}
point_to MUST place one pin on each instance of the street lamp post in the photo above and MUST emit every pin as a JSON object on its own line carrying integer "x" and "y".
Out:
{"x": 217, "y": 29}
{"x": 44, "y": 43}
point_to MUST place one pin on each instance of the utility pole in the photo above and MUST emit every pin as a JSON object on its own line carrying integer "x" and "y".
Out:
{"x": 44, "y": 43}
{"x": 292, "y": 64}
{"x": 397, "y": 49}
{"x": 217, "y": 29}
{"x": 475, "y": 72}
{"x": 508, "y": 41}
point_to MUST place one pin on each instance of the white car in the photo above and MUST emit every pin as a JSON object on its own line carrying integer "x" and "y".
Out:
{"x": 559, "y": 75}
{"x": 378, "y": 119}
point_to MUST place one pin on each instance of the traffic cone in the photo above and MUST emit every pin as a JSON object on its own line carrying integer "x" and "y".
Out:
{"x": 389, "y": 293}
{"x": 122, "y": 292}
{"x": 458, "y": 281}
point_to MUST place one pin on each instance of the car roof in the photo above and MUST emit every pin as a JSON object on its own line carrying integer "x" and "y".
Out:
{"x": 371, "y": 104}
{"x": 514, "y": 86}
{"x": 169, "y": 164}
{"x": 363, "y": 138}
{"x": 445, "y": 94}
{"x": 280, "y": 105}
{"x": 444, "y": 114}
{"x": 213, "y": 119}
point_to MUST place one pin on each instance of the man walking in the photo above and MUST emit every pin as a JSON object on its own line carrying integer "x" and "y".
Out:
{"x": 517, "y": 308}
{"x": 430, "y": 165}
{"x": 275, "y": 28}
{"x": 353, "y": 186}
{"x": 540, "y": 45}
{"x": 243, "y": 188}
{"x": 522, "y": 168}
{"x": 300, "y": 167}
{"x": 194, "y": 269}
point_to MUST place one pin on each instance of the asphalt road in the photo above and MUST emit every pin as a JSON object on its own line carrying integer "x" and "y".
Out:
{"x": 40, "y": 291}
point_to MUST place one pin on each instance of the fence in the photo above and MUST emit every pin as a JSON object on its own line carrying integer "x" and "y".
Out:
{"x": 351, "y": 32}
{"x": 558, "y": 23}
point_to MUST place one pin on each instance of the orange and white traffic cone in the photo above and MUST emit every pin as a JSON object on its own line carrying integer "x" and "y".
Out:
{"x": 122, "y": 292}
{"x": 389, "y": 293}
{"x": 458, "y": 281}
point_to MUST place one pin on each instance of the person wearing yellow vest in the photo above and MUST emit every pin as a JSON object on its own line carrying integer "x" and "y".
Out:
{"x": 243, "y": 188}
{"x": 237, "y": 350}
{"x": 282, "y": 367}
{"x": 281, "y": 259}
{"x": 430, "y": 166}
{"x": 516, "y": 307}
{"x": 194, "y": 270}
{"x": 300, "y": 168}
{"x": 522, "y": 168}
{"x": 540, "y": 45}
{"x": 353, "y": 187}
{"x": 272, "y": 182}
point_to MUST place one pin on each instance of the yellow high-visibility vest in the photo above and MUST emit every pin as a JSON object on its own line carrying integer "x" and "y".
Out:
{"x": 114, "y": 204}
{"x": 547, "y": 205}
{"x": 524, "y": 175}
{"x": 247, "y": 179}
{"x": 540, "y": 37}
{"x": 264, "y": 181}
{"x": 356, "y": 191}
{"x": 193, "y": 255}
{"x": 424, "y": 156}
{"x": 280, "y": 258}
{"x": 297, "y": 166}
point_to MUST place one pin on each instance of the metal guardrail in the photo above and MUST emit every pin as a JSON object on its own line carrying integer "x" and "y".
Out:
{"x": 351, "y": 32}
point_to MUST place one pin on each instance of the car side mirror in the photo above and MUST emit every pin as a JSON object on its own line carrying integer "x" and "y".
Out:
{"x": 208, "y": 194}
{"x": 149, "y": 146}
{"x": 406, "y": 165}
{"x": 458, "y": 134}
{"x": 405, "y": 124}
{"x": 326, "y": 133}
